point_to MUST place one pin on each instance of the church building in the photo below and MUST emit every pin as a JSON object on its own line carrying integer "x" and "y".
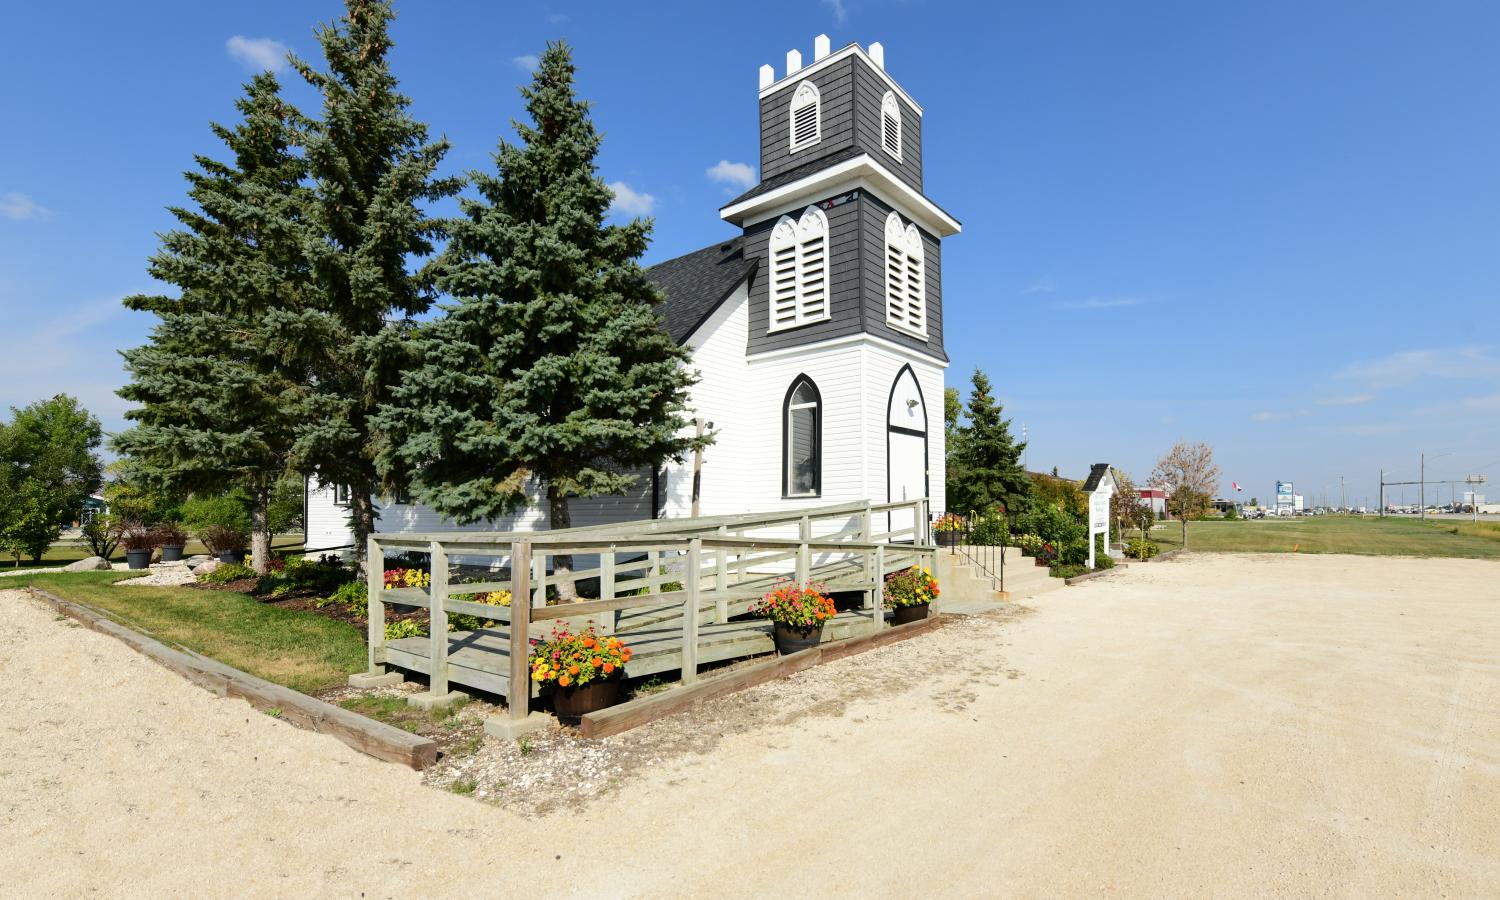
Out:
{"x": 817, "y": 331}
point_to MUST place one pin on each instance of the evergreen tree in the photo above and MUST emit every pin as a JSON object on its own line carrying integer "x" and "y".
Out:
{"x": 47, "y": 469}
{"x": 552, "y": 368}
{"x": 216, "y": 387}
{"x": 989, "y": 457}
{"x": 955, "y": 482}
{"x": 371, "y": 165}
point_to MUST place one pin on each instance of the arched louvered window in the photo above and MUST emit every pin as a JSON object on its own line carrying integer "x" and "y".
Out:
{"x": 802, "y": 440}
{"x": 799, "y": 270}
{"x": 905, "y": 277}
{"x": 890, "y": 125}
{"x": 806, "y": 116}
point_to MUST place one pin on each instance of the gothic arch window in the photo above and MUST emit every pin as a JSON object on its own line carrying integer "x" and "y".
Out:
{"x": 799, "y": 270}
{"x": 905, "y": 277}
{"x": 802, "y": 440}
{"x": 890, "y": 125}
{"x": 806, "y": 116}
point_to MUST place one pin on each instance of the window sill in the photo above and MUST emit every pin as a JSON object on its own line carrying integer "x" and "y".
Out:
{"x": 802, "y": 496}
{"x": 902, "y": 329}
{"x": 800, "y": 147}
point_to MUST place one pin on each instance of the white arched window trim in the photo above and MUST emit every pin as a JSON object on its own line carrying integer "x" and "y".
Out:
{"x": 799, "y": 270}
{"x": 890, "y": 125}
{"x": 905, "y": 277}
{"x": 805, "y": 120}
{"x": 802, "y": 439}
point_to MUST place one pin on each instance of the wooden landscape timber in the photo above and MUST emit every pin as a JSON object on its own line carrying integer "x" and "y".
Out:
{"x": 365, "y": 735}
{"x": 635, "y": 713}
{"x": 687, "y": 585}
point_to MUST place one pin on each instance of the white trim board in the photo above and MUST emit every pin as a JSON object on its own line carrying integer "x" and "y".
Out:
{"x": 861, "y": 337}
{"x": 863, "y": 171}
{"x": 828, "y": 61}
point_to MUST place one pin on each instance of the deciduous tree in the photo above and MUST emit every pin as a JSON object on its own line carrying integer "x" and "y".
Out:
{"x": 1189, "y": 475}
{"x": 48, "y": 467}
{"x": 552, "y": 367}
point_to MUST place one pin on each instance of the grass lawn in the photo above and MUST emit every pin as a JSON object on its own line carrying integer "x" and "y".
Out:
{"x": 68, "y": 550}
{"x": 1370, "y": 536}
{"x": 301, "y": 650}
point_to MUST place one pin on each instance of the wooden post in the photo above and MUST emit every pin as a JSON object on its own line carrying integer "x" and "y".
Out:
{"x": 721, "y": 577}
{"x": 374, "y": 585}
{"x": 607, "y": 591}
{"x": 690, "y": 613}
{"x": 539, "y": 575}
{"x": 437, "y": 622}
{"x": 878, "y": 589}
{"x": 653, "y": 579}
{"x": 518, "y": 692}
{"x": 804, "y": 564}
{"x": 866, "y": 536}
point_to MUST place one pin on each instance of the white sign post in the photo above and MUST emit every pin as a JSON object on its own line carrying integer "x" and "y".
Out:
{"x": 1101, "y": 489}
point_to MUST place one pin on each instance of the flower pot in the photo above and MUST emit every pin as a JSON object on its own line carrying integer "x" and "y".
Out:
{"x": 948, "y": 538}
{"x": 792, "y": 640}
{"x": 914, "y": 613}
{"x": 232, "y": 556}
{"x": 171, "y": 553}
{"x": 574, "y": 702}
{"x": 138, "y": 559}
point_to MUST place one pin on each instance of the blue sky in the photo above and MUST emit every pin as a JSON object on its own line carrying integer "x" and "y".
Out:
{"x": 1274, "y": 227}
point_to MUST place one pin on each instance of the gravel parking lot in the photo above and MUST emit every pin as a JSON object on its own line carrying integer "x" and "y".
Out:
{"x": 1214, "y": 724}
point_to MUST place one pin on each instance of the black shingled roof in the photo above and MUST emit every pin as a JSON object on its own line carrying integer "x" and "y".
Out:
{"x": 1096, "y": 475}
{"x": 696, "y": 283}
{"x": 802, "y": 171}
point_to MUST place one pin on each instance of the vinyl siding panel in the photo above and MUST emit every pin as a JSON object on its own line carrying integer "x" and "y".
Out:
{"x": 869, "y": 90}
{"x": 836, "y": 90}
{"x": 874, "y": 213}
{"x": 845, "y": 288}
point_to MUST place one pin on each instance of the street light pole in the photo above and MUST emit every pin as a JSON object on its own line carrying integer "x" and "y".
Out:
{"x": 1422, "y": 487}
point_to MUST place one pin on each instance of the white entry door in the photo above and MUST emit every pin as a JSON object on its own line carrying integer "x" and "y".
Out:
{"x": 908, "y": 476}
{"x": 906, "y": 443}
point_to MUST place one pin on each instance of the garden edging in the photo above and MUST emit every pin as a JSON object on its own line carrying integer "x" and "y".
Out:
{"x": 365, "y": 735}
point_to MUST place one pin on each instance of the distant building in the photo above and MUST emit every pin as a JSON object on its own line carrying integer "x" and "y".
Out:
{"x": 1156, "y": 500}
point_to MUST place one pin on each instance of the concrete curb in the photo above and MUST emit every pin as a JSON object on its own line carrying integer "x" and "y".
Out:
{"x": 365, "y": 735}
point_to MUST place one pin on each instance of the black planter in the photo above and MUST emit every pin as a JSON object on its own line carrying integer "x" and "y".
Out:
{"x": 232, "y": 556}
{"x": 171, "y": 553}
{"x": 791, "y": 640}
{"x": 138, "y": 559}
{"x": 914, "y": 613}
{"x": 572, "y": 703}
{"x": 947, "y": 538}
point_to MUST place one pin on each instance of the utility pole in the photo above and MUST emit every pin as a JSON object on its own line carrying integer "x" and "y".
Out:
{"x": 1382, "y": 493}
{"x": 1343, "y": 504}
{"x": 1422, "y": 488}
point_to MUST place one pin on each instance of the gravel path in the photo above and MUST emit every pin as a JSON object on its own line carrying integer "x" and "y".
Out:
{"x": 1210, "y": 725}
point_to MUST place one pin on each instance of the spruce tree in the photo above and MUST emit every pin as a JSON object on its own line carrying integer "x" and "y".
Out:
{"x": 552, "y": 367}
{"x": 989, "y": 456}
{"x": 216, "y": 387}
{"x": 372, "y": 165}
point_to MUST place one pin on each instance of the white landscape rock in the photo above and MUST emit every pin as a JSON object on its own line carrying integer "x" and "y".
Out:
{"x": 205, "y": 567}
{"x": 92, "y": 564}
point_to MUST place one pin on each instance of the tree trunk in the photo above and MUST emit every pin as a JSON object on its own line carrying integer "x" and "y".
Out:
{"x": 1184, "y": 531}
{"x": 260, "y": 529}
{"x": 361, "y": 515}
{"x": 562, "y": 563}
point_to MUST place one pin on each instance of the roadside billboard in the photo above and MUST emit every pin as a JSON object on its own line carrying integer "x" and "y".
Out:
{"x": 1285, "y": 499}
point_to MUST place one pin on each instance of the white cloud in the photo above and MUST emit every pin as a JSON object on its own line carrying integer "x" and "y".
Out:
{"x": 527, "y": 63}
{"x": 1041, "y": 286}
{"x": 18, "y": 206}
{"x": 629, "y": 202}
{"x": 1411, "y": 365}
{"x": 257, "y": 53}
{"x": 840, "y": 14}
{"x": 1102, "y": 303}
{"x": 1351, "y": 400}
{"x": 735, "y": 174}
{"x": 1266, "y": 416}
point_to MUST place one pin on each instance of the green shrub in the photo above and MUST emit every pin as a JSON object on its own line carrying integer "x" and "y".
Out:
{"x": 1069, "y": 570}
{"x": 989, "y": 531}
{"x": 1075, "y": 553}
{"x": 227, "y": 572}
{"x": 1031, "y": 544}
{"x": 1104, "y": 562}
{"x": 1142, "y": 549}
{"x": 404, "y": 628}
{"x": 353, "y": 596}
{"x": 1052, "y": 525}
{"x": 227, "y": 510}
{"x": 300, "y": 574}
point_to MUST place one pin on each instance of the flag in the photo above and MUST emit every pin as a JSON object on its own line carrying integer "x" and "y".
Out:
{"x": 1236, "y": 485}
